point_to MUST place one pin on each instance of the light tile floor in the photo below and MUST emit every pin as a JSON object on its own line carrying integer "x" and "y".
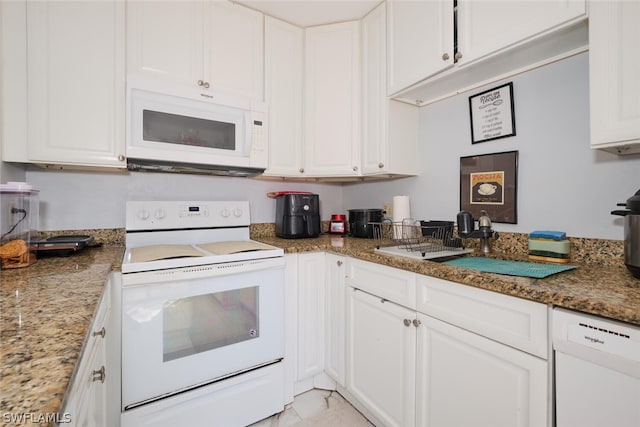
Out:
{"x": 317, "y": 408}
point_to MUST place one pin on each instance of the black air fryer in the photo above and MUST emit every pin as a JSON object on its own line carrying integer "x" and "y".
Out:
{"x": 297, "y": 216}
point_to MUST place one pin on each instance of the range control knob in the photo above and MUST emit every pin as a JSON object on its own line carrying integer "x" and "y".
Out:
{"x": 159, "y": 214}
{"x": 143, "y": 214}
{"x": 225, "y": 213}
{"x": 237, "y": 212}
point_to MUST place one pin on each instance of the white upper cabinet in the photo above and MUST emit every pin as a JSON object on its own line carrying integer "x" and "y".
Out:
{"x": 389, "y": 128}
{"x": 215, "y": 45}
{"x": 156, "y": 52}
{"x": 494, "y": 39}
{"x": 332, "y": 100}
{"x": 284, "y": 60}
{"x": 234, "y": 49}
{"x": 74, "y": 84}
{"x": 614, "y": 70}
{"x": 486, "y": 26}
{"x": 419, "y": 41}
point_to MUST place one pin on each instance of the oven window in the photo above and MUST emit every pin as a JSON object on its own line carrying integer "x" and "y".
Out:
{"x": 183, "y": 130}
{"x": 200, "y": 323}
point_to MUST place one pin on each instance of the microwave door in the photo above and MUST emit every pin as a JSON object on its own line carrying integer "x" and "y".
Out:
{"x": 166, "y": 128}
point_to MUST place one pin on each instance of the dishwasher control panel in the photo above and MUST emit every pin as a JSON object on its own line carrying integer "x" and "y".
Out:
{"x": 597, "y": 333}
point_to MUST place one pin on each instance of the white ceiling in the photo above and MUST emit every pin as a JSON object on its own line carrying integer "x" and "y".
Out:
{"x": 308, "y": 13}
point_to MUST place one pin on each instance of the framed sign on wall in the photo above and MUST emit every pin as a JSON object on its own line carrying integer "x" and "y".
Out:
{"x": 489, "y": 182}
{"x": 492, "y": 114}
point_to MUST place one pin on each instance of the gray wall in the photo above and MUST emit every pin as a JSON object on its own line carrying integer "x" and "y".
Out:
{"x": 84, "y": 200}
{"x": 562, "y": 183}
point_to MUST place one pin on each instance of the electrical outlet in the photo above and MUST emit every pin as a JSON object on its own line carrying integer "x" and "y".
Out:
{"x": 387, "y": 207}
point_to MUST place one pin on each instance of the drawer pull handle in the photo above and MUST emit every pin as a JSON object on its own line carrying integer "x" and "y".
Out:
{"x": 98, "y": 375}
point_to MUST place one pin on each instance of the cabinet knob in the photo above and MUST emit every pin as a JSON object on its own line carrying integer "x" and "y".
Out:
{"x": 355, "y": 169}
{"x": 407, "y": 322}
{"x": 206, "y": 85}
{"x": 339, "y": 263}
{"x": 301, "y": 170}
{"x": 416, "y": 322}
{"x": 445, "y": 56}
{"x": 99, "y": 375}
{"x": 121, "y": 158}
{"x": 458, "y": 56}
{"x": 101, "y": 333}
{"x": 380, "y": 165}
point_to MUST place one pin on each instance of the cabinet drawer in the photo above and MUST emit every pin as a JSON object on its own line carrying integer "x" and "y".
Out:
{"x": 390, "y": 283}
{"x": 512, "y": 321}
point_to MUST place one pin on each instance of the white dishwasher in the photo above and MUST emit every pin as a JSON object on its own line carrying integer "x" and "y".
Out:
{"x": 597, "y": 371}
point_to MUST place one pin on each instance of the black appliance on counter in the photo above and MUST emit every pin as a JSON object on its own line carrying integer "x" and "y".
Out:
{"x": 297, "y": 216}
{"x": 360, "y": 221}
{"x": 631, "y": 233}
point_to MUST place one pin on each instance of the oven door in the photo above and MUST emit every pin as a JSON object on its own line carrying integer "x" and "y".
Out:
{"x": 186, "y": 327}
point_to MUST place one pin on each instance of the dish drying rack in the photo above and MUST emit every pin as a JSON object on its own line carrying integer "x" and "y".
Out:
{"x": 430, "y": 239}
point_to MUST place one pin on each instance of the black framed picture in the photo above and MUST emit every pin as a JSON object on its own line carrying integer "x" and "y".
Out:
{"x": 489, "y": 182}
{"x": 492, "y": 115}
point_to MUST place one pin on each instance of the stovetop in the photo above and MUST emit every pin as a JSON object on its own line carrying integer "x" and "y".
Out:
{"x": 174, "y": 234}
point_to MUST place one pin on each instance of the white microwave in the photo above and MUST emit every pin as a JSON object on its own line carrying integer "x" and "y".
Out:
{"x": 176, "y": 129}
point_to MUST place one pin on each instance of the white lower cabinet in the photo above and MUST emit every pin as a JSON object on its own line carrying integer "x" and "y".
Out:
{"x": 310, "y": 314}
{"x": 381, "y": 356}
{"x": 335, "y": 315}
{"x": 86, "y": 399}
{"x": 464, "y": 379}
{"x": 453, "y": 356}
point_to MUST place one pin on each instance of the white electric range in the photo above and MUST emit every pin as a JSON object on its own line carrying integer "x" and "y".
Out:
{"x": 202, "y": 316}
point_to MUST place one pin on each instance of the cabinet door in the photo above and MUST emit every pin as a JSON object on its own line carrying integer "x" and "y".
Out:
{"x": 374, "y": 92}
{"x": 164, "y": 40}
{"x": 311, "y": 321}
{"x": 332, "y": 100}
{"x": 614, "y": 67}
{"x": 284, "y": 44}
{"x": 335, "y": 317}
{"x": 486, "y": 26}
{"x": 419, "y": 41}
{"x": 75, "y": 56}
{"x": 495, "y": 384}
{"x": 233, "y": 49}
{"x": 389, "y": 128}
{"x": 381, "y": 357}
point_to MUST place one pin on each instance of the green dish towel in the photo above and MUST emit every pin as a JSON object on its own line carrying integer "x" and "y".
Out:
{"x": 510, "y": 268}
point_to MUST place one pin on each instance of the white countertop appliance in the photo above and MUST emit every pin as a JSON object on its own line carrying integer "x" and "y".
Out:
{"x": 202, "y": 316}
